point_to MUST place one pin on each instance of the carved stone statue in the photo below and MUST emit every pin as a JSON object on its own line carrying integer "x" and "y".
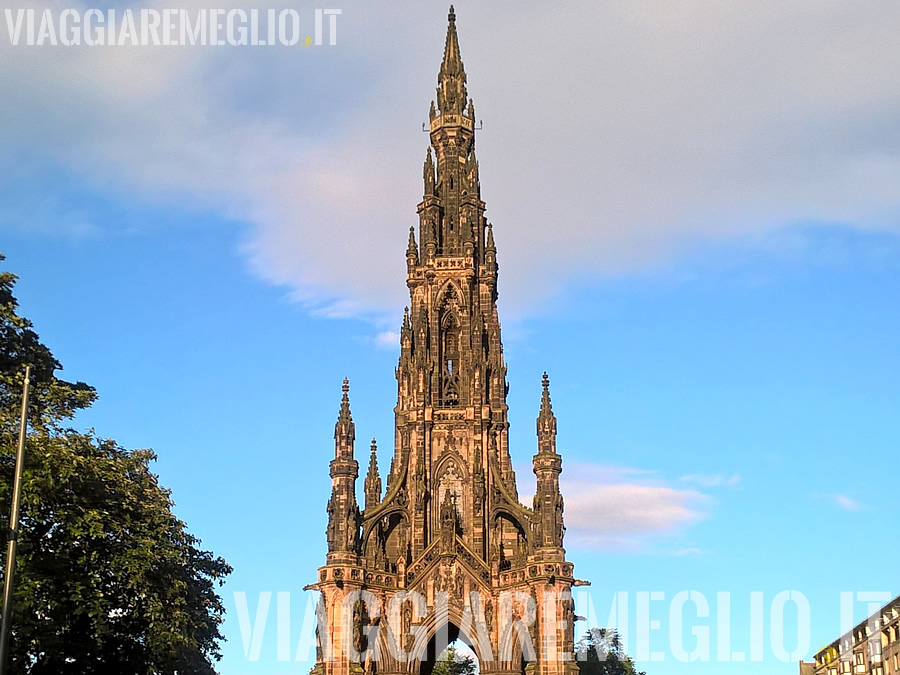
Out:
{"x": 449, "y": 523}
{"x": 330, "y": 529}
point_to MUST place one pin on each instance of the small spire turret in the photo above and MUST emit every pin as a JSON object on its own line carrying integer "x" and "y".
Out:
{"x": 344, "y": 429}
{"x": 547, "y": 464}
{"x": 373, "y": 480}
{"x": 546, "y": 420}
{"x": 343, "y": 511}
{"x": 412, "y": 251}
{"x": 428, "y": 173}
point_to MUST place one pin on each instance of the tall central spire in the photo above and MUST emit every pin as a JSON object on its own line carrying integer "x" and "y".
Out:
{"x": 452, "y": 213}
{"x": 450, "y": 523}
{"x": 451, "y": 92}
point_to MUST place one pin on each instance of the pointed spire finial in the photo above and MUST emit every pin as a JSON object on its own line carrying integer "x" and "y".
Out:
{"x": 490, "y": 238}
{"x": 451, "y": 92}
{"x": 344, "y": 416}
{"x": 373, "y": 480}
{"x": 373, "y": 464}
{"x": 546, "y": 420}
{"x": 345, "y": 397}
{"x": 546, "y": 407}
{"x": 428, "y": 173}
{"x": 344, "y": 429}
{"x": 412, "y": 251}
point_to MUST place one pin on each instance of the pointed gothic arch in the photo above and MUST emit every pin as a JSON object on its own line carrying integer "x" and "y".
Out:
{"x": 450, "y": 292}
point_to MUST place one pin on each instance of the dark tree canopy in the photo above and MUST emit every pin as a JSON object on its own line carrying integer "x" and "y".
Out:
{"x": 600, "y": 652}
{"x": 108, "y": 580}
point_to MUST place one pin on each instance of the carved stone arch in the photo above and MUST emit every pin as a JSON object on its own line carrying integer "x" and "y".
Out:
{"x": 387, "y": 538}
{"x": 450, "y": 319}
{"x": 450, "y": 294}
{"x": 441, "y": 633}
{"x": 372, "y": 524}
{"x": 512, "y": 517}
{"x": 506, "y": 525}
{"x": 447, "y": 456}
{"x": 451, "y": 476}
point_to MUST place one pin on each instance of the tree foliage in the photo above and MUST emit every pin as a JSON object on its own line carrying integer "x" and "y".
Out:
{"x": 107, "y": 578}
{"x": 600, "y": 652}
{"x": 451, "y": 662}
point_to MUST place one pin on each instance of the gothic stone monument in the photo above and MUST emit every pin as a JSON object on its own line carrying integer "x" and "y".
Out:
{"x": 448, "y": 551}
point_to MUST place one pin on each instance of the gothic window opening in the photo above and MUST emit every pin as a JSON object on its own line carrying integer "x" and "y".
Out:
{"x": 450, "y": 336}
{"x": 396, "y": 541}
{"x": 510, "y": 542}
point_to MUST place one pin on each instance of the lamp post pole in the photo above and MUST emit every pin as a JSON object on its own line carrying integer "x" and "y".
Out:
{"x": 13, "y": 533}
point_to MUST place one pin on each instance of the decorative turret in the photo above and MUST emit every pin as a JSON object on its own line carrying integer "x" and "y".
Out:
{"x": 428, "y": 174}
{"x": 343, "y": 511}
{"x": 406, "y": 338}
{"x": 373, "y": 480}
{"x": 412, "y": 251}
{"x": 548, "y": 502}
{"x": 344, "y": 429}
{"x": 546, "y": 421}
{"x": 490, "y": 252}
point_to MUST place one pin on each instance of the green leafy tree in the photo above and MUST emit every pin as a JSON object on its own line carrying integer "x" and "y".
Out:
{"x": 600, "y": 652}
{"x": 451, "y": 662}
{"x": 108, "y": 580}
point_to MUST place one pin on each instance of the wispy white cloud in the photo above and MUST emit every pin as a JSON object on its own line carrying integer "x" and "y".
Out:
{"x": 626, "y": 509}
{"x": 848, "y": 503}
{"x": 711, "y": 480}
{"x": 681, "y": 123}
{"x": 387, "y": 340}
{"x": 630, "y": 516}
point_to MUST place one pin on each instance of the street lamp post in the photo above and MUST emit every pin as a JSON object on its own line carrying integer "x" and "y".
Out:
{"x": 13, "y": 534}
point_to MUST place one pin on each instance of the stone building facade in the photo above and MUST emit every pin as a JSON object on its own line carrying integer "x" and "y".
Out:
{"x": 444, "y": 549}
{"x": 871, "y": 648}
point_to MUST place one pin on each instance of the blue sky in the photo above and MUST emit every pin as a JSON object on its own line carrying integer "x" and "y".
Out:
{"x": 696, "y": 215}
